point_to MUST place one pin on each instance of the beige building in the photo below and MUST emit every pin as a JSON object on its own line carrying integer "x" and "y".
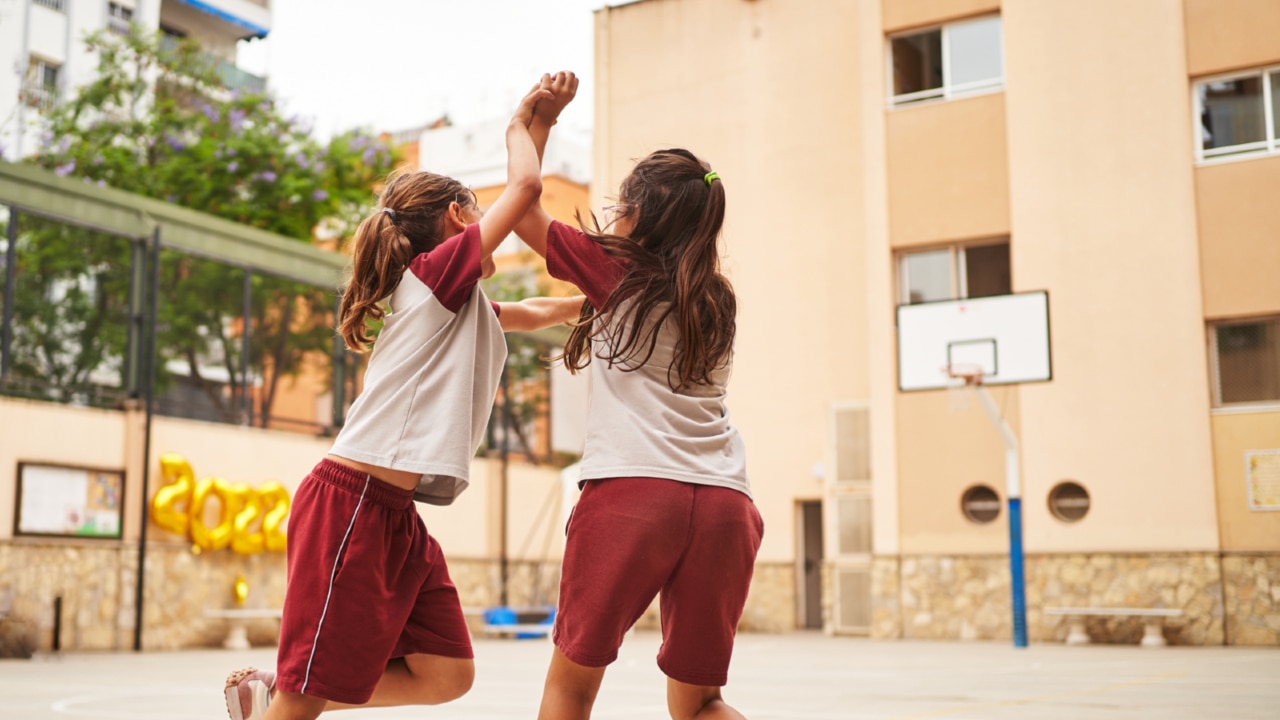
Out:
{"x": 884, "y": 152}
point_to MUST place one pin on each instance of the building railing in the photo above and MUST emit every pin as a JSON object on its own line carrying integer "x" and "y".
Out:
{"x": 236, "y": 79}
{"x": 232, "y": 77}
{"x": 55, "y": 5}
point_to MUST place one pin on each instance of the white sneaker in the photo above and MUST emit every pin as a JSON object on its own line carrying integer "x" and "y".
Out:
{"x": 248, "y": 693}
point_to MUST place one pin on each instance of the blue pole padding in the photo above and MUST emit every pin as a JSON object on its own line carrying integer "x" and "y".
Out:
{"x": 1016, "y": 577}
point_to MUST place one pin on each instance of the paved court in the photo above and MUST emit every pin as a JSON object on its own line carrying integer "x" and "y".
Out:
{"x": 793, "y": 676}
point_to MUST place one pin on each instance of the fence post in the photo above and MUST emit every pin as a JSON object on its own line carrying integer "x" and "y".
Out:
{"x": 10, "y": 278}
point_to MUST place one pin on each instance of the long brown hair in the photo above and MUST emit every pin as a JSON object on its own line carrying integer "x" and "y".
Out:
{"x": 672, "y": 273}
{"x": 407, "y": 222}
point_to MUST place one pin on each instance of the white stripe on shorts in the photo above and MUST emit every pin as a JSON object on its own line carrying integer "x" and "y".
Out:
{"x": 306, "y": 677}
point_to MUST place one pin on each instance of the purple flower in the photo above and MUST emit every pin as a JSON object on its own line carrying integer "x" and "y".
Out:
{"x": 301, "y": 159}
{"x": 209, "y": 112}
{"x": 368, "y": 156}
{"x": 320, "y": 195}
{"x": 102, "y": 183}
{"x": 267, "y": 176}
{"x": 176, "y": 145}
{"x": 171, "y": 198}
{"x": 236, "y": 118}
{"x": 233, "y": 166}
{"x": 65, "y": 170}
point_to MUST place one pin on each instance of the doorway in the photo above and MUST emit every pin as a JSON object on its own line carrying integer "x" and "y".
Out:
{"x": 810, "y": 513}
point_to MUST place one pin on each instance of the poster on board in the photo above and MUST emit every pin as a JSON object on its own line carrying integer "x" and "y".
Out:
{"x": 1262, "y": 473}
{"x": 69, "y": 501}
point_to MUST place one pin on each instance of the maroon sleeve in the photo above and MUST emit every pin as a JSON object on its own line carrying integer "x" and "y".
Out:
{"x": 497, "y": 309}
{"x": 576, "y": 258}
{"x": 452, "y": 268}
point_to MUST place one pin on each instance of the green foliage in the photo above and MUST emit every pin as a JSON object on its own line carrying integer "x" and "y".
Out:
{"x": 528, "y": 379}
{"x": 158, "y": 121}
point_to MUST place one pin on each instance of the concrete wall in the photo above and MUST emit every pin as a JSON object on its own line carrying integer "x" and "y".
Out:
{"x": 96, "y": 579}
{"x": 1103, "y": 215}
{"x": 1236, "y": 35}
{"x": 1238, "y": 227}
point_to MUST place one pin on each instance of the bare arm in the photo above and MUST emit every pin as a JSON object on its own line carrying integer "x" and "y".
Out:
{"x": 540, "y": 312}
{"x": 532, "y": 228}
{"x": 524, "y": 175}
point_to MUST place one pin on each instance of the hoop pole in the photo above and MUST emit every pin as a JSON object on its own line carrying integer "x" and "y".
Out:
{"x": 1013, "y": 491}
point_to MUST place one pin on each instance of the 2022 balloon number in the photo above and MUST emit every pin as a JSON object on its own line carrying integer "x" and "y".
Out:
{"x": 249, "y": 520}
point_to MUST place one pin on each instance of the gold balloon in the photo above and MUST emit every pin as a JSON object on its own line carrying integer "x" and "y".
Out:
{"x": 170, "y": 505}
{"x": 246, "y": 540}
{"x": 275, "y": 504}
{"x": 248, "y": 521}
{"x": 218, "y": 536}
{"x": 240, "y": 590}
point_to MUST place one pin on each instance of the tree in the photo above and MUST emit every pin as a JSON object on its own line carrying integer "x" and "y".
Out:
{"x": 159, "y": 121}
{"x": 528, "y": 382}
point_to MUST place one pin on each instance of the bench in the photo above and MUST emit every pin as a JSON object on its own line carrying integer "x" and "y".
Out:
{"x": 1152, "y": 621}
{"x": 510, "y": 622}
{"x": 522, "y": 630}
{"x": 238, "y": 634}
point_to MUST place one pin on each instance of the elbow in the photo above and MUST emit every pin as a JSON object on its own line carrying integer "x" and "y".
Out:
{"x": 528, "y": 187}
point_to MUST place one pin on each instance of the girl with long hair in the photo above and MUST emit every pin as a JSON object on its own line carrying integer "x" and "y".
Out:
{"x": 371, "y": 617}
{"x": 666, "y": 508}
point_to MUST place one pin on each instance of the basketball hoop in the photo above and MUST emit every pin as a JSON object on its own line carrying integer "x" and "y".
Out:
{"x": 963, "y": 373}
{"x": 961, "y": 378}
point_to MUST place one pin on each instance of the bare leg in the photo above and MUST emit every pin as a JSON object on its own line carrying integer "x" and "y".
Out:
{"x": 570, "y": 690}
{"x": 685, "y": 702}
{"x": 413, "y": 680}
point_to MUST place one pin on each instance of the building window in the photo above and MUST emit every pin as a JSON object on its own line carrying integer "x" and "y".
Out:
{"x": 55, "y": 5}
{"x": 1069, "y": 501}
{"x": 119, "y": 17}
{"x": 957, "y": 59}
{"x": 1245, "y": 357}
{"x": 980, "y": 504}
{"x": 954, "y": 273}
{"x": 1239, "y": 114}
{"x": 40, "y": 90}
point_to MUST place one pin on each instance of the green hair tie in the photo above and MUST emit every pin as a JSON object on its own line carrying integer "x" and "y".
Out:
{"x": 713, "y": 175}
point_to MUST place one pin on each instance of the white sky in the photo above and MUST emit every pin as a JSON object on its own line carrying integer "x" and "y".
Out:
{"x": 390, "y": 65}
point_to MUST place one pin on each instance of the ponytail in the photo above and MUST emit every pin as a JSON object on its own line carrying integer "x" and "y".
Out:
{"x": 378, "y": 261}
{"x": 407, "y": 223}
{"x": 672, "y": 274}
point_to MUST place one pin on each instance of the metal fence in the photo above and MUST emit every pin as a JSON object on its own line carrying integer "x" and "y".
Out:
{"x": 110, "y": 297}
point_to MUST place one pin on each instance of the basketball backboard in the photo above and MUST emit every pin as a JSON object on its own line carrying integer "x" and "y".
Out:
{"x": 1007, "y": 335}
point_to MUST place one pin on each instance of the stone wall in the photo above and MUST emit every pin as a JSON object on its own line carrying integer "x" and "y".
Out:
{"x": 97, "y": 581}
{"x": 1252, "y": 594}
{"x": 886, "y": 597}
{"x": 771, "y": 605}
{"x": 967, "y": 597}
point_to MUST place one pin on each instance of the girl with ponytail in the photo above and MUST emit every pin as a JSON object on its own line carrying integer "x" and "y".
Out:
{"x": 371, "y": 617}
{"x": 665, "y": 508}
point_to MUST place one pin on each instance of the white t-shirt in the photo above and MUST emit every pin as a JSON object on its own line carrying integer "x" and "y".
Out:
{"x": 433, "y": 374}
{"x": 637, "y": 426}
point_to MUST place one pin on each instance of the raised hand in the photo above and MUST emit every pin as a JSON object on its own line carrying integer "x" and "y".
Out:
{"x": 539, "y": 94}
{"x": 563, "y": 86}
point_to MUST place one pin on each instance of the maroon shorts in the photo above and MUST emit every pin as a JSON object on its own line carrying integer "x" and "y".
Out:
{"x": 630, "y": 539}
{"x": 366, "y": 584}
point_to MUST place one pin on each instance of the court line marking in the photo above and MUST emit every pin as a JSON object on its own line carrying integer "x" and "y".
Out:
{"x": 1040, "y": 698}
